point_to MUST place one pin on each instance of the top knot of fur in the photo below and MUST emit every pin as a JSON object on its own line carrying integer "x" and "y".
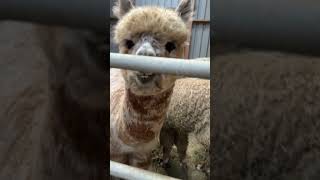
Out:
{"x": 162, "y": 24}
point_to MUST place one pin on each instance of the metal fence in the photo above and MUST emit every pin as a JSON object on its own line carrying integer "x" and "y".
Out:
{"x": 127, "y": 172}
{"x": 199, "y": 68}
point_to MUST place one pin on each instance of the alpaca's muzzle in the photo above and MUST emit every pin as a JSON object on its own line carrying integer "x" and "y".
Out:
{"x": 145, "y": 77}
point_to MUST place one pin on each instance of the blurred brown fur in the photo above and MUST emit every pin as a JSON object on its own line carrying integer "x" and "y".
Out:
{"x": 53, "y": 98}
{"x": 266, "y": 116}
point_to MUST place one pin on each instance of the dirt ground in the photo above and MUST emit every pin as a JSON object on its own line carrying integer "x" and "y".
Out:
{"x": 194, "y": 154}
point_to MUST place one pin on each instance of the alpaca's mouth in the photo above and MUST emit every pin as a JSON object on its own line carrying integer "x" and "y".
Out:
{"x": 145, "y": 78}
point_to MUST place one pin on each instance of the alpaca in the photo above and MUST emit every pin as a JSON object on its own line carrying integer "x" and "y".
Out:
{"x": 72, "y": 138}
{"x": 23, "y": 97}
{"x": 53, "y": 108}
{"x": 139, "y": 100}
{"x": 266, "y": 116}
{"x": 188, "y": 117}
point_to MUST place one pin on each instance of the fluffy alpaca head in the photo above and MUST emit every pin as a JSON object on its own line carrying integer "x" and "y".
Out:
{"x": 151, "y": 31}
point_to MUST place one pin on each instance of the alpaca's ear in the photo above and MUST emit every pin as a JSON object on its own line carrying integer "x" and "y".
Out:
{"x": 122, "y": 7}
{"x": 184, "y": 9}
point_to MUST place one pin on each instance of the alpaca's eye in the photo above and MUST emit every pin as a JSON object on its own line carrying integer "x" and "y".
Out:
{"x": 170, "y": 46}
{"x": 129, "y": 44}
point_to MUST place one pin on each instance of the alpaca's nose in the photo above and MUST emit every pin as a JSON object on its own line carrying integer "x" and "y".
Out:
{"x": 146, "y": 49}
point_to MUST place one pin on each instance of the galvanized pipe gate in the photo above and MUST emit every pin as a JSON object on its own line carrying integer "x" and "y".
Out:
{"x": 199, "y": 68}
{"x": 127, "y": 172}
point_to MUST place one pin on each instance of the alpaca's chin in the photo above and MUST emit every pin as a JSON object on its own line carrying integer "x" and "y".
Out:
{"x": 146, "y": 89}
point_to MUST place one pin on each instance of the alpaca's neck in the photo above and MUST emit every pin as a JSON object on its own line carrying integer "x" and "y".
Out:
{"x": 143, "y": 116}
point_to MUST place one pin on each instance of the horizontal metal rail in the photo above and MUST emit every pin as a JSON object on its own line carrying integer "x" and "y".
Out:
{"x": 182, "y": 67}
{"x": 132, "y": 173}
